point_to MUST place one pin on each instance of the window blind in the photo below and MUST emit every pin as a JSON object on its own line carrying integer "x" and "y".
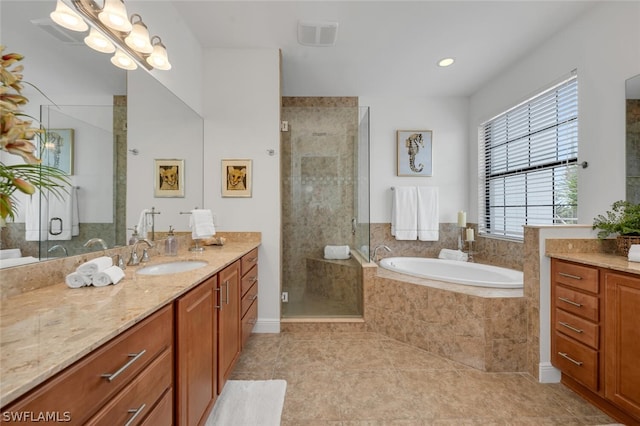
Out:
{"x": 528, "y": 163}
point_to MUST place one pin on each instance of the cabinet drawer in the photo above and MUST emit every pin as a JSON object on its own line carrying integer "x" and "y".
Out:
{"x": 577, "y": 303}
{"x": 137, "y": 400}
{"x": 249, "y": 321}
{"x": 162, "y": 414}
{"x": 81, "y": 388}
{"x": 576, "y": 360}
{"x": 249, "y": 260}
{"x": 578, "y": 328}
{"x": 248, "y": 298}
{"x": 578, "y": 276}
{"x": 249, "y": 279}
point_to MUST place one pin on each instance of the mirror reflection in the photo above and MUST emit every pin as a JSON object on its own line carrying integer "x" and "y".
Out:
{"x": 632, "y": 95}
{"x": 85, "y": 100}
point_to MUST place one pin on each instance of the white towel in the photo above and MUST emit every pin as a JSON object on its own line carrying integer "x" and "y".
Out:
{"x": 144, "y": 223}
{"x": 35, "y": 224}
{"x": 634, "y": 253}
{"x": 428, "y": 215}
{"x": 404, "y": 213}
{"x": 337, "y": 252}
{"x": 449, "y": 254}
{"x": 111, "y": 275}
{"x": 77, "y": 280}
{"x": 94, "y": 266}
{"x": 201, "y": 224}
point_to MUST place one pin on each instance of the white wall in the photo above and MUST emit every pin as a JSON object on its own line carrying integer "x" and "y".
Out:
{"x": 447, "y": 118}
{"x": 242, "y": 113}
{"x": 604, "y": 46}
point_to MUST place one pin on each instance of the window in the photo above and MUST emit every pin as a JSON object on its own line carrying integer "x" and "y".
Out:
{"x": 528, "y": 163}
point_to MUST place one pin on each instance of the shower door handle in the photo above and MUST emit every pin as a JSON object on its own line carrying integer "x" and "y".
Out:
{"x": 354, "y": 224}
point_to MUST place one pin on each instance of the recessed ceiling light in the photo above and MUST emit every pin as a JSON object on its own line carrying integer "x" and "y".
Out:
{"x": 445, "y": 62}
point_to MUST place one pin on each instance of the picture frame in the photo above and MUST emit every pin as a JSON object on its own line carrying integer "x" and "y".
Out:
{"x": 414, "y": 152}
{"x": 169, "y": 178}
{"x": 236, "y": 178}
{"x": 58, "y": 149}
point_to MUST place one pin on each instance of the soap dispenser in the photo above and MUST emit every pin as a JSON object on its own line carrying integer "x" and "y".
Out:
{"x": 171, "y": 244}
{"x": 135, "y": 236}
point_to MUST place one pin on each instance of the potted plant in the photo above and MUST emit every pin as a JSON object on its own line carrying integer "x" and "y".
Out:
{"x": 623, "y": 220}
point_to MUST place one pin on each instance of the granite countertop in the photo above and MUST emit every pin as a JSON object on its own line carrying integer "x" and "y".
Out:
{"x": 46, "y": 330}
{"x": 602, "y": 260}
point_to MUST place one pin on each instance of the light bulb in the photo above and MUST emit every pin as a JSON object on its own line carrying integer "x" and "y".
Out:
{"x": 68, "y": 18}
{"x": 138, "y": 38}
{"x": 124, "y": 61}
{"x": 99, "y": 42}
{"x": 114, "y": 16}
{"x": 158, "y": 58}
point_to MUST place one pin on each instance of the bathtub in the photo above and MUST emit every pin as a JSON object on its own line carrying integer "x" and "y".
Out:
{"x": 453, "y": 271}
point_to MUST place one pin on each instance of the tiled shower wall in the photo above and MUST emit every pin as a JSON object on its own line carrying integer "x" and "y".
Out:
{"x": 318, "y": 155}
{"x": 633, "y": 150}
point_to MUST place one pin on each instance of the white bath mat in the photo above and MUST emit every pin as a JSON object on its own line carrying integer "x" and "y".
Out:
{"x": 249, "y": 403}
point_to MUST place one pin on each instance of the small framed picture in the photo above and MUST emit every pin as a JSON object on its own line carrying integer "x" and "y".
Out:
{"x": 236, "y": 178}
{"x": 58, "y": 149}
{"x": 169, "y": 178}
{"x": 414, "y": 153}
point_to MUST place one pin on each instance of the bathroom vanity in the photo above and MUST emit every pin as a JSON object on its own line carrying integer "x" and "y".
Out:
{"x": 595, "y": 317}
{"x": 150, "y": 350}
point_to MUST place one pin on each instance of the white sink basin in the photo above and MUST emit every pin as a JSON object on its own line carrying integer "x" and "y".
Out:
{"x": 171, "y": 267}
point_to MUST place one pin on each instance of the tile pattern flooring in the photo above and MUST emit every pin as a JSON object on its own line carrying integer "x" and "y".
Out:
{"x": 359, "y": 378}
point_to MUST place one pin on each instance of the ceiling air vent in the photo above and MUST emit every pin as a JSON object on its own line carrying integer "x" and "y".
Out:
{"x": 55, "y": 30}
{"x": 319, "y": 34}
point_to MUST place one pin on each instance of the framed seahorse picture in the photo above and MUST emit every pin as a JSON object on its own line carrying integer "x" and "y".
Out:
{"x": 415, "y": 153}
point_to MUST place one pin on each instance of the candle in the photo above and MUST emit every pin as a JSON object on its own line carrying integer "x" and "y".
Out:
{"x": 470, "y": 234}
{"x": 462, "y": 219}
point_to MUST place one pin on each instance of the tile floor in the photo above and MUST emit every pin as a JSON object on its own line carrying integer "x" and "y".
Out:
{"x": 358, "y": 379}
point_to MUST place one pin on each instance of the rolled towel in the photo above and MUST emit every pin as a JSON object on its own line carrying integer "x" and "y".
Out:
{"x": 94, "y": 266}
{"x": 337, "y": 252}
{"x": 449, "y": 254}
{"x": 77, "y": 280}
{"x": 634, "y": 253}
{"x": 111, "y": 275}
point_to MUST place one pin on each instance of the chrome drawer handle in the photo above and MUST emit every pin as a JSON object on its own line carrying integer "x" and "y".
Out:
{"x": 136, "y": 412}
{"x": 254, "y": 279}
{"x": 564, "y": 355}
{"x": 219, "y": 290}
{"x": 253, "y": 298}
{"x": 226, "y": 284}
{"x": 134, "y": 358}
{"x": 570, "y": 327}
{"x": 252, "y": 259}
{"x": 575, "y": 277}
{"x": 571, "y": 302}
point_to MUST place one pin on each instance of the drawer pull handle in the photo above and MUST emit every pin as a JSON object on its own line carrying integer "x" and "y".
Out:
{"x": 226, "y": 284}
{"x": 219, "y": 290}
{"x": 134, "y": 358}
{"x": 254, "y": 279}
{"x": 254, "y": 297}
{"x": 136, "y": 412}
{"x": 570, "y": 327}
{"x": 252, "y": 259}
{"x": 574, "y": 277}
{"x": 565, "y": 356}
{"x": 571, "y": 302}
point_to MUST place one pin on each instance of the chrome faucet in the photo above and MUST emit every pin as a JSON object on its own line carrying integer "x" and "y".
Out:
{"x": 134, "y": 259}
{"x": 59, "y": 246}
{"x": 375, "y": 251}
{"x": 93, "y": 241}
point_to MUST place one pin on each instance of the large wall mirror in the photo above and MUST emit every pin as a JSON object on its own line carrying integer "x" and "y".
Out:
{"x": 101, "y": 116}
{"x": 632, "y": 95}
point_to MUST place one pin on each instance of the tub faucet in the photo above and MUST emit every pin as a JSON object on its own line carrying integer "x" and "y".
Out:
{"x": 134, "y": 259}
{"x": 93, "y": 241}
{"x": 375, "y": 251}
{"x": 60, "y": 247}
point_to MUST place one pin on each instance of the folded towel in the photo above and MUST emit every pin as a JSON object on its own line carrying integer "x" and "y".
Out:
{"x": 201, "y": 224}
{"x": 111, "y": 275}
{"x": 428, "y": 216}
{"x": 337, "y": 252}
{"x": 453, "y": 255}
{"x": 634, "y": 253}
{"x": 404, "y": 213}
{"x": 77, "y": 280}
{"x": 94, "y": 266}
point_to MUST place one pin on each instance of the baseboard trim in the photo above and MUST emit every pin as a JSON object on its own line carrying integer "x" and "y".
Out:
{"x": 267, "y": 326}
{"x": 547, "y": 373}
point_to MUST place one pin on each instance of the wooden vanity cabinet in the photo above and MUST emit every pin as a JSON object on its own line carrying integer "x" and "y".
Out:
{"x": 126, "y": 379}
{"x": 249, "y": 288}
{"x": 196, "y": 353}
{"x": 228, "y": 307}
{"x": 595, "y": 314}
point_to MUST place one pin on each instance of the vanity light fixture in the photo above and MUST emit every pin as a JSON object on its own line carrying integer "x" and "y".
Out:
{"x": 111, "y": 31}
{"x": 445, "y": 62}
{"x": 67, "y": 18}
